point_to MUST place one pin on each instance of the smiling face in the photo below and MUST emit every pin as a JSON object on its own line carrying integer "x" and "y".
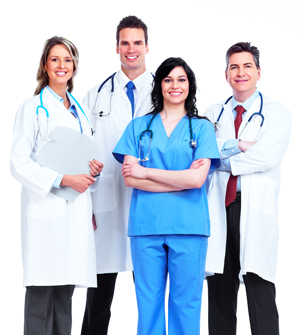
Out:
{"x": 242, "y": 75}
{"x": 175, "y": 87}
{"x": 59, "y": 66}
{"x": 132, "y": 50}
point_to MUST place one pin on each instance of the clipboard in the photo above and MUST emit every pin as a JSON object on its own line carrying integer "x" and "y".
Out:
{"x": 68, "y": 152}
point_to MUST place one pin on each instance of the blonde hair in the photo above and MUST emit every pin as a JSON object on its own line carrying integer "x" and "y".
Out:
{"x": 42, "y": 76}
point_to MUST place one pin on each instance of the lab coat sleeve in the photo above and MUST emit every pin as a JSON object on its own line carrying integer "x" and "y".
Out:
{"x": 270, "y": 147}
{"x": 30, "y": 174}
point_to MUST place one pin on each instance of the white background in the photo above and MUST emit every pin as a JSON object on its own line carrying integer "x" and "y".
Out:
{"x": 198, "y": 31}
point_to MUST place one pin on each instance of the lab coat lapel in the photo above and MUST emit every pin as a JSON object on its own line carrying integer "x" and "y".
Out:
{"x": 252, "y": 128}
{"x": 227, "y": 123}
{"x": 49, "y": 100}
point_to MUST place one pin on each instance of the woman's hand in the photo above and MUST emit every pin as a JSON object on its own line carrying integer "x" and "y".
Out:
{"x": 197, "y": 163}
{"x": 79, "y": 182}
{"x": 96, "y": 167}
{"x": 132, "y": 169}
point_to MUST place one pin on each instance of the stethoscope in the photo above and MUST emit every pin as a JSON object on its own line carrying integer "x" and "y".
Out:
{"x": 193, "y": 142}
{"x": 217, "y": 124}
{"x": 47, "y": 114}
{"x": 112, "y": 90}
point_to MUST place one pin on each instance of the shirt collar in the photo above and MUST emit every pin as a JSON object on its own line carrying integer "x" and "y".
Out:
{"x": 60, "y": 99}
{"x": 246, "y": 104}
{"x": 138, "y": 82}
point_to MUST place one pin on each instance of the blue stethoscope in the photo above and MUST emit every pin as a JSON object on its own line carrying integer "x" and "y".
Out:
{"x": 193, "y": 142}
{"x": 217, "y": 124}
{"x": 112, "y": 90}
{"x": 47, "y": 114}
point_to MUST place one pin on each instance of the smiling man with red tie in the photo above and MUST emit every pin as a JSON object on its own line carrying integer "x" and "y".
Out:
{"x": 252, "y": 132}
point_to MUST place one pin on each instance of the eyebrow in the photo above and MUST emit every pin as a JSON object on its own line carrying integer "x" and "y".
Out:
{"x": 177, "y": 77}
{"x": 137, "y": 41}
{"x": 64, "y": 57}
{"x": 249, "y": 63}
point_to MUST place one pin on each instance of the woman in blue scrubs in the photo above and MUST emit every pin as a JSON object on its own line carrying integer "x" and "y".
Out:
{"x": 169, "y": 218}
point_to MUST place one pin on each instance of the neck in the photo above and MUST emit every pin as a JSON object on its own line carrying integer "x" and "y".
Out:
{"x": 61, "y": 90}
{"x": 133, "y": 73}
{"x": 242, "y": 96}
{"x": 173, "y": 112}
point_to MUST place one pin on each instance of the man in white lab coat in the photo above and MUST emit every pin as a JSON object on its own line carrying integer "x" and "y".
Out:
{"x": 242, "y": 198}
{"x": 125, "y": 95}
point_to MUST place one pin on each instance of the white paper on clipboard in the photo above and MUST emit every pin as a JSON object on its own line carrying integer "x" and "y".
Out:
{"x": 68, "y": 152}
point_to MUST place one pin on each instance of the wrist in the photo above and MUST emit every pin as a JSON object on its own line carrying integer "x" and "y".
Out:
{"x": 66, "y": 179}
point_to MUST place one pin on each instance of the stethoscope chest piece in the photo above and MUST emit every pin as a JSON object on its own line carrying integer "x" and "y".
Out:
{"x": 193, "y": 143}
{"x": 217, "y": 125}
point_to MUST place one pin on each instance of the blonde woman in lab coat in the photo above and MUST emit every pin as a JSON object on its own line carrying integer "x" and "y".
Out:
{"x": 57, "y": 236}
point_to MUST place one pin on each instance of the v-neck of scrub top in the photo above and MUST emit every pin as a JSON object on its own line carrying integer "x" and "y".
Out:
{"x": 174, "y": 131}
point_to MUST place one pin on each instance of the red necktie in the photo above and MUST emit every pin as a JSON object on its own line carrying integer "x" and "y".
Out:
{"x": 232, "y": 182}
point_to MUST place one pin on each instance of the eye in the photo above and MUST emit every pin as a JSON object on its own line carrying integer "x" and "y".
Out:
{"x": 54, "y": 59}
{"x": 182, "y": 80}
{"x": 167, "y": 80}
{"x": 69, "y": 60}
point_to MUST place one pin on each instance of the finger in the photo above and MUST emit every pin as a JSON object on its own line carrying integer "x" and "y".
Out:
{"x": 94, "y": 168}
{"x": 90, "y": 177}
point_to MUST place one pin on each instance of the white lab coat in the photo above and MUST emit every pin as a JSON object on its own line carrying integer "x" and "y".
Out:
{"x": 259, "y": 169}
{"x": 57, "y": 236}
{"x": 111, "y": 201}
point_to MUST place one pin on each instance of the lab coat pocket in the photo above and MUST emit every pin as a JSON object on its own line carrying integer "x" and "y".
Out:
{"x": 104, "y": 199}
{"x": 51, "y": 206}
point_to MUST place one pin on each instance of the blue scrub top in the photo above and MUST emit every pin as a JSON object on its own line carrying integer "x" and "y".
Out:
{"x": 183, "y": 212}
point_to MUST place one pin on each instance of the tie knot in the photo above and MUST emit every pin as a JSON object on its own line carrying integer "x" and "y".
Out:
{"x": 240, "y": 109}
{"x": 130, "y": 85}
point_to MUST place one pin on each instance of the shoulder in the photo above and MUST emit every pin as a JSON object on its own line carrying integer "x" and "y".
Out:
{"x": 30, "y": 105}
{"x": 214, "y": 108}
{"x": 270, "y": 104}
{"x": 142, "y": 120}
{"x": 105, "y": 83}
{"x": 203, "y": 124}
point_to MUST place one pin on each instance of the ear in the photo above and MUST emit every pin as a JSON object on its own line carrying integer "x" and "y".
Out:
{"x": 117, "y": 49}
{"x": 226, "y": 75}
{"x": 147, "y": 48}
{"x": 258, "y": 74}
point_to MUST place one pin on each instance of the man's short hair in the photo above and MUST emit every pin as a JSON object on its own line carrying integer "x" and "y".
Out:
{"x": 132, "y": 22}
{"x": 243, "y": 47}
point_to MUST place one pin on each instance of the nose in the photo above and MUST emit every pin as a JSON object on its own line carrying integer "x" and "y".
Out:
{"x": 175, "y": 84}
{"x": 131, "y": 48}
{"x": 241, "y": 71}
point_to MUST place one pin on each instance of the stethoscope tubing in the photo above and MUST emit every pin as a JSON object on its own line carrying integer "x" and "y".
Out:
{"x": 217, "y": 123}
{"x": 47, "y": 114}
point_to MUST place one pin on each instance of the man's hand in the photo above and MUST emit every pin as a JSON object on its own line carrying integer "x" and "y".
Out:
{"x": 245, "y": 145}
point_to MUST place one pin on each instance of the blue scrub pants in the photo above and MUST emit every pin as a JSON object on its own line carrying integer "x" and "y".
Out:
{"x": 183, "y": 256}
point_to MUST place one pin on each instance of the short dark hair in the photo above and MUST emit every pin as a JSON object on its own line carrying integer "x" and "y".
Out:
{"x": 132, "y": 22}
{"x": 243, "y": 47}
{"x": 162, "y": 72}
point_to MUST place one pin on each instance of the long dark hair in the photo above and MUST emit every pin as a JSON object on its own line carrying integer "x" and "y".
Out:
{"x": 162, "y": 72}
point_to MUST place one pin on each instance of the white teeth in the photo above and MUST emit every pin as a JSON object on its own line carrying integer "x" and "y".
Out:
{"x": 132, "y": 57}
{"x": 61, "y": 73}
{"x": 176, "y": 94}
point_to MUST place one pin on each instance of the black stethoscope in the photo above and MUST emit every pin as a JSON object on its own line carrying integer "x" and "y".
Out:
{"x": 193, "y": 142}
{"x": 112, "y": 90}
{"x": 217, "y": 124}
